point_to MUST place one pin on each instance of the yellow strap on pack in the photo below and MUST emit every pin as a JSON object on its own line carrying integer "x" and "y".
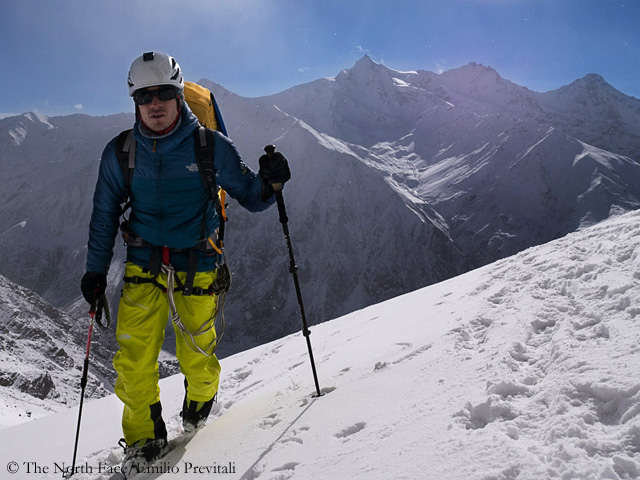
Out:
{"x": 222, "y": 195}
{"x": 214, "y": 246}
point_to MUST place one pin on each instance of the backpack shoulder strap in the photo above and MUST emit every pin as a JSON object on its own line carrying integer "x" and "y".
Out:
{"x": 126, "y": 153}
{"x": 204, "y": 139}
{"x": 204, "y": 142}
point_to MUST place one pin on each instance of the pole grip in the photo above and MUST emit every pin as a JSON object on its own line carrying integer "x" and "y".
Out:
{"x": 270, "y": 150}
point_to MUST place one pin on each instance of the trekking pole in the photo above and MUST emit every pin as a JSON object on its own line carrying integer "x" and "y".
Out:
{"x": 293, "y": 268}
{"x": 93, "y": 313}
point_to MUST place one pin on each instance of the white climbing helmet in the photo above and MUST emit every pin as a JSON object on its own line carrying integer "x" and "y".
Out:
{"x": 154, "y": 68}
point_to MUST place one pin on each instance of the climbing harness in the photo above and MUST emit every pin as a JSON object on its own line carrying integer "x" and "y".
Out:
{"x": 219, "y": 288}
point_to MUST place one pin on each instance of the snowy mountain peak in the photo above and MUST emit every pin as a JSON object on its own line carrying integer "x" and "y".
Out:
{"x": 38, "y": 117}
{"x": 479, "y": 67}
{"x": 483, "y": 90}
{"x": 593, "y": 83}
{"x": 592, "y": 86}
{"x": 473, "y": 74}
{"x": 218, "y": 90}
{"x": 366, "y": 60}
{"x": 22, "y": 124}
{"x": 595, "y": 78}
{"x": 365, "y": 69}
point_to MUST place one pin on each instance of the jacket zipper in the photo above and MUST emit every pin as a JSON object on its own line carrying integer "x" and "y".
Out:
{"x": 160, "y": 174}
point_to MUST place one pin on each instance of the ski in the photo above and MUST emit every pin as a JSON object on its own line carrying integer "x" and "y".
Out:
{"x": 159, "y": 466}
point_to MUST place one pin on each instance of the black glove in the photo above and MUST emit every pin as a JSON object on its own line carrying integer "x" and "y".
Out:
{"x": 93, "y": 286}
{"x": 274, "y": 169}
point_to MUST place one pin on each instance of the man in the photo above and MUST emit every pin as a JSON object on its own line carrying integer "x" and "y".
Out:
{"x": 170, "y": 209}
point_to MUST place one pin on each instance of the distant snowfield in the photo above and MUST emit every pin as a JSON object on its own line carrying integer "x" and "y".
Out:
{"x": 526, "y": 369}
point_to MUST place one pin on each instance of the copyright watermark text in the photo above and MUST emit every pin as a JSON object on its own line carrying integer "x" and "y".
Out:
{"x": 162, "y": 467}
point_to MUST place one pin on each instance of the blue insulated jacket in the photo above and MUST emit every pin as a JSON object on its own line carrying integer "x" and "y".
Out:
{"x": 168, "y": 197}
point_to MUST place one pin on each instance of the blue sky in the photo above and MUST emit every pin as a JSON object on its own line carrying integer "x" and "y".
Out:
{"x": 69, "y": 56}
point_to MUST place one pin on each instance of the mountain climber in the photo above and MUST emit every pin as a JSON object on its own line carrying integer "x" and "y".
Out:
{"x": 171, "y": 223}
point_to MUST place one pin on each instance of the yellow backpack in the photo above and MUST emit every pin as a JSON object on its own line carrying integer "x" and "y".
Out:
{"x": 204, "y": 106}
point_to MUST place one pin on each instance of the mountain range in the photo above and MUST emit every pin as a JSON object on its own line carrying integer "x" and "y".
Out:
{"x": 400, "y": 180}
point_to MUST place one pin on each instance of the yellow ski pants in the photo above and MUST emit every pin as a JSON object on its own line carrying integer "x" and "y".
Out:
{"x": 142, "y": 317}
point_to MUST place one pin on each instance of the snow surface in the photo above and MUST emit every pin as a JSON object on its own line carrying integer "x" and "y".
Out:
{"x": 524, "y": 369}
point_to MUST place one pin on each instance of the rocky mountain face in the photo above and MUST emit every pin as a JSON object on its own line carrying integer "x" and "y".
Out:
{"x": 400, "y": 180}
{"x": 505, "y": 167}
{"x": 41, "y": 357}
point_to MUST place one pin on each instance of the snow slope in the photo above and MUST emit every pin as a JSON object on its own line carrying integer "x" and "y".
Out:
{"x": 524, "y": 369}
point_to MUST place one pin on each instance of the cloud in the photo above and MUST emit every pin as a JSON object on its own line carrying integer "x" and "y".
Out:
{"x": 440, "y": 68}
{"x": 304, "y": 69}
{"x": 360, "y": 49}
{"x": 78, "y": 106}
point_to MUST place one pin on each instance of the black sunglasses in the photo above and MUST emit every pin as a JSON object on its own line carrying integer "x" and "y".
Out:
{"x": 145, "y": 96}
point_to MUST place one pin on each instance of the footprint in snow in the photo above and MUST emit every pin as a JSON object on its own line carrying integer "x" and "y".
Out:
{"x": 495, "y": 408}
{"x": 541, "y": 325}
{"x": 295, "y": 436}
{"x": 285, "y": 472}
{"x": 347, "y": 432}
{"x": 270, "y": 421}
{"x": 295, "y": 365}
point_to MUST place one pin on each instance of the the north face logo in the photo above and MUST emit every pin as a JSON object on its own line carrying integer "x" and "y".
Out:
{"x": 193, "y": 167}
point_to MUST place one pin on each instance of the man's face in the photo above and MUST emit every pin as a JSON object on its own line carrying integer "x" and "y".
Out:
{"x": 158, "y": 114}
